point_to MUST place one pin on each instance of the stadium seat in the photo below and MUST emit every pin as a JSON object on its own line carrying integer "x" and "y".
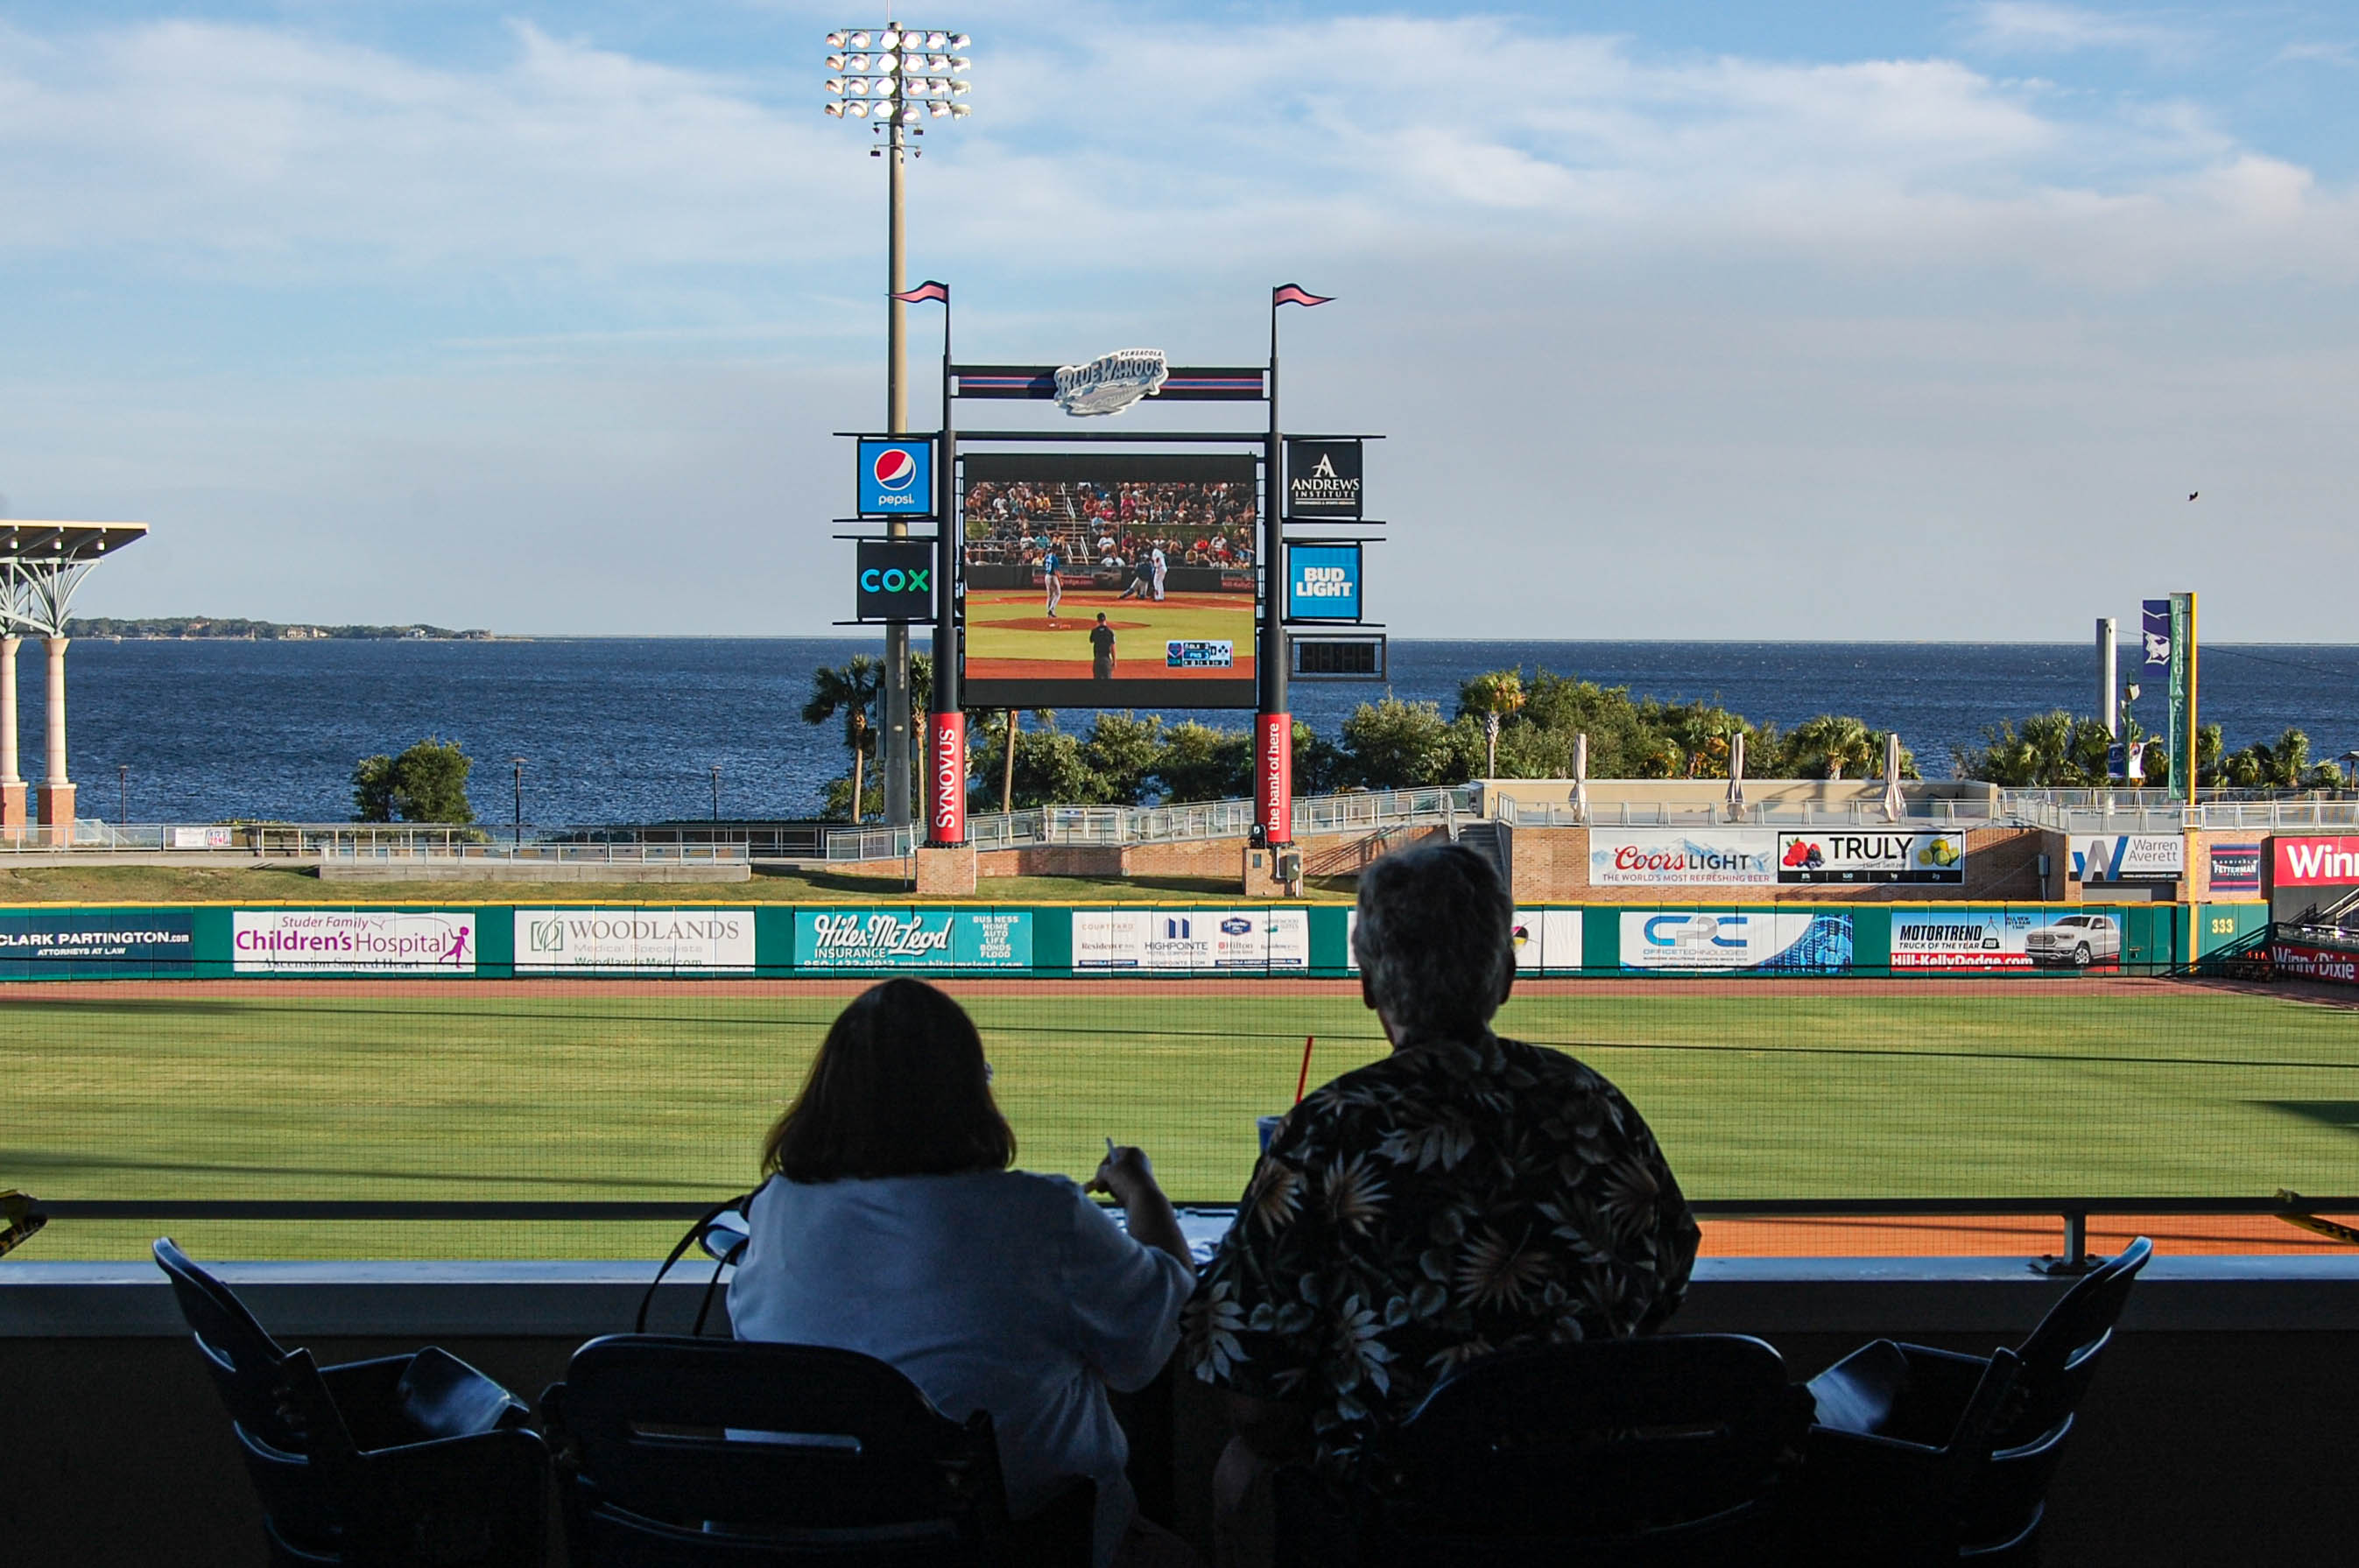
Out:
{"x": 1635, "y": 1452}
{"x": 678, "y": 1452}
{"x": 1911, "y": 1392}
{"x": 403, "y": 1460}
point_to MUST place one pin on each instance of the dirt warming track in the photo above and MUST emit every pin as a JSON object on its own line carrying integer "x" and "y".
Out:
{"x": 1205, "y": 989}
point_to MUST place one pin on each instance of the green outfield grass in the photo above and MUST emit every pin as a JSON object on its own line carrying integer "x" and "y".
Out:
{"x": 1757, "y": 1089}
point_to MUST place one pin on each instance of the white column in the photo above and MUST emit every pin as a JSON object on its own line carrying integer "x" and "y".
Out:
{"x": 9, "y": 774}
{"x": 56, "y": 713}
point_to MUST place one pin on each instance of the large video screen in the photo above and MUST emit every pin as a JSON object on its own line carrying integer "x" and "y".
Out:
{"x": 1114, "y": 580}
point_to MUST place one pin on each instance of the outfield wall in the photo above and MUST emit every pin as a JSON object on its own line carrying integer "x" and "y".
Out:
{"x": 1180, "y": 939}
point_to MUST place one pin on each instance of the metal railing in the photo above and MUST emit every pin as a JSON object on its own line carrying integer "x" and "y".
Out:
{"x": 555, "y": 853}
{"x": 1917, "y": 814}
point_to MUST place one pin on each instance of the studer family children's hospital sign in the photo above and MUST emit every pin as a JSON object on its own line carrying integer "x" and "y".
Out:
{"x": 378, "y": 942}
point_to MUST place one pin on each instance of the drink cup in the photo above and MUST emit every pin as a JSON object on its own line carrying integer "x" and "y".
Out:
{"x": 1269, "y": 1128}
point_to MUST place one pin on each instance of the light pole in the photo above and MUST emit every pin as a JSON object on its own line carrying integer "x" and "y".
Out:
{"x": 716, "y": 795}
{"x": 896, "y": 76}
{"x": 518, "y": 762}
{"x": 123, "y": 786}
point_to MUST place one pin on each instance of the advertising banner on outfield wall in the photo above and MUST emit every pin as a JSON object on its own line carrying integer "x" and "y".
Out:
{"x": 2128, "y": 857}
{"x": 555, "y": 941}
{"x": 1938, "y": 938}
{"x": 2314, "y": 862}
{"x": 1697, "y": 943}
{"x": 911, "y": 939}
{"x": 1547, "y": 940}
{"x": 96, "y": 943}
{"x": 2303, "y": 962}
{"x": 1192, "y": 939}
{"x": 1671, "y": 856}
{"x": 2236, "y": 868}
{"x": 1872, "y": 857}
{"x": 360, "y": 941}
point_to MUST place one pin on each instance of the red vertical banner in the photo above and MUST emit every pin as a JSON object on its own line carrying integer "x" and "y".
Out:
{"x": 946, "y": 779}
{"x": 1273, "y": 778}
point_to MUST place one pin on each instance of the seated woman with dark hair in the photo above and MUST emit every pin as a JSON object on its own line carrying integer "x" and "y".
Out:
{"x": 892, "y": 1224}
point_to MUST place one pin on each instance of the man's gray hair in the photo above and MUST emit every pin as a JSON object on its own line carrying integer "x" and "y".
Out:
{"x": 1435, "y": 939}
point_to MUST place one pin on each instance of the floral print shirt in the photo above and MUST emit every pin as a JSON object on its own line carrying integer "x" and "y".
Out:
{"x": 1453, "y": 1199}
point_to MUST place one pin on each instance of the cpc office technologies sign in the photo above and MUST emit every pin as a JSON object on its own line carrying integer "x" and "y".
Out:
{"x": 897, "y": 477}
{"x": 1323, "y": 480}
{"x": 895, "y": 580}
{"x": 1322, "y": 582}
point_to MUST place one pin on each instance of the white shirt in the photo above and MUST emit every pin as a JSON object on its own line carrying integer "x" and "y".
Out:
{"x": 991, "y": 1290}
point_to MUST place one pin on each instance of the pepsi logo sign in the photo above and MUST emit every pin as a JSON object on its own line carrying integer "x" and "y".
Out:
{"x": 895, "y": 468}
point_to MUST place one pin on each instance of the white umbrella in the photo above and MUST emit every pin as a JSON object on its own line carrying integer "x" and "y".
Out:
{"x": 1894, "y": 806}
{"x": 1581, "y": 776}
{"x": 1736, "y": 777}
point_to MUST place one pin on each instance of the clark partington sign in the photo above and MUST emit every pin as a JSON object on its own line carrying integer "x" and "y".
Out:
{"x": 1669, "y": 857}
{"x": 89, "y": 944}
{"x": 352, "y": 941}
{"x": 674, "y": 940}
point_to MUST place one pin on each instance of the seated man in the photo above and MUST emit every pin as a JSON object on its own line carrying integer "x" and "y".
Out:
{"x": 1464, "y": 1194}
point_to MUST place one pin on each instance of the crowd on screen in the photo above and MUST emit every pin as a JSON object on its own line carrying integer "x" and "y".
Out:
{"x": 1110, "y": 529}
{"x": 1464, "y": 1194}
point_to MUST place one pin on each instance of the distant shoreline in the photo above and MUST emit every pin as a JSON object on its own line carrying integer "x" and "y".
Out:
{"x": 206, "y": 628}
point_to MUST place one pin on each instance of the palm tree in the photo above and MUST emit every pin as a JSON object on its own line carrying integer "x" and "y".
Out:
{"x": 851, "y": 691}
{"x": 1837, "y": 741}
{"x": 1494, "y": 696}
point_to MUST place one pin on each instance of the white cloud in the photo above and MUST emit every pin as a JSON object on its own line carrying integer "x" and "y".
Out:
{"x": 2034, "y": 27}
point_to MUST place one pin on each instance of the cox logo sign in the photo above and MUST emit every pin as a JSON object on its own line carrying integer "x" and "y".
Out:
{"x": 897, "y": 477}
{"x": 1322, "y": 582}
{"x": 893, "y": 580}
{"x": 896, "y": 580}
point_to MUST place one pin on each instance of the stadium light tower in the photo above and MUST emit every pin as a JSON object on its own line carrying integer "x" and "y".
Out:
{"x": 899, "y": 79}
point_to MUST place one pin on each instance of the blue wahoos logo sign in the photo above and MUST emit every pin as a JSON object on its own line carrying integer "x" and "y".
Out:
{"x": 1322, "y": 582}
{"x": 897, "y": 477}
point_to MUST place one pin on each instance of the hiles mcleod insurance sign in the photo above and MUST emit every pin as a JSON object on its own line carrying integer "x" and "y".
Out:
{"x": 913, "y": 939}
{"x": 675, "y": 941}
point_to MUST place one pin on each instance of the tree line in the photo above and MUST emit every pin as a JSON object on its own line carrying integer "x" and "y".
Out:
{"x": 1505, "y": 725}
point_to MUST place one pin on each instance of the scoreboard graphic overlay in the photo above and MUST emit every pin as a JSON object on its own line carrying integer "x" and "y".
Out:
{"x": 1111, "y": 579}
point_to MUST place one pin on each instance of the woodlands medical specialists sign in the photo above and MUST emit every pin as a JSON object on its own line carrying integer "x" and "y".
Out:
{"x": 549, "y": 941}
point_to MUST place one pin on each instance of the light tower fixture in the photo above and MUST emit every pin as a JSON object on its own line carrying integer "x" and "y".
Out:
{"x": 895, "y": 77}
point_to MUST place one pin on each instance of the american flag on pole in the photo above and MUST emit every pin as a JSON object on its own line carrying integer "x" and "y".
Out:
{"x": 927, "y": 290}
{"x": 1295, "y": 294}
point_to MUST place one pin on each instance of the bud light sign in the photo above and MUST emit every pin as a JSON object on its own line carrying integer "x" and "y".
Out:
{"x": 897, "y": 477}
{"x": 1322, "y": 582}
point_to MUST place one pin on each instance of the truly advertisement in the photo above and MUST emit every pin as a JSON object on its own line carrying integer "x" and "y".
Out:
{"x": 1276, "y": 940}
{"x": 1669, "y": 857}
{"x": 913, "y": 939}
{"x": 1694, "y": 942}
{"x": 2129, "y": 857}
{"x": 340, "y": 941}
{"x": 550, "y": 941}
{"x": 1872, "y": 857}
{"x": 96, "y": 943}
{"x": 1940, "y": 938}
{"x": 2314, "y": 862}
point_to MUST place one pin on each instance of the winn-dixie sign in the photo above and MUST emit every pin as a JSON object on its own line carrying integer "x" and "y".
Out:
{"x": 2314, "y": 862}
{"x": 2307, "y": 963}
{"x": 674, "y": 940}
{"x": 913, "y": 939}
{"x": 344, "y": 941}
{"x": 1871, "y": 857}
{"x": 96, "y": 943}
{"x": 1641, "y": 857}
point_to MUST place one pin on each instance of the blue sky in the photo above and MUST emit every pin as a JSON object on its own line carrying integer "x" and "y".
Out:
{"x": 1683, "y": 319}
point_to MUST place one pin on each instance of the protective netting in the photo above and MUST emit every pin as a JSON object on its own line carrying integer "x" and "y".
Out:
{"x": 636, "y": 1089}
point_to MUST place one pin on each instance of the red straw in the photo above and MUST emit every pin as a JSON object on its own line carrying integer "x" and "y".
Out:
{"x": 1303, "y": 1083}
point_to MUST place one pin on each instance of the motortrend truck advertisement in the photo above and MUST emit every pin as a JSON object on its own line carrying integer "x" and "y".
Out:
{"x": 1708, "y": 944}
{"x": 349, "y": 941}
{"x": 1937, "y": 938}
{"x": 1872, "y": 857}
{"x": 1192, "y": 939}
{"x": 549, "y": 941}
{"x": 96, "y": 943}
{"x": 913, "y": 939}
{"x": 1666, "y": 857}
